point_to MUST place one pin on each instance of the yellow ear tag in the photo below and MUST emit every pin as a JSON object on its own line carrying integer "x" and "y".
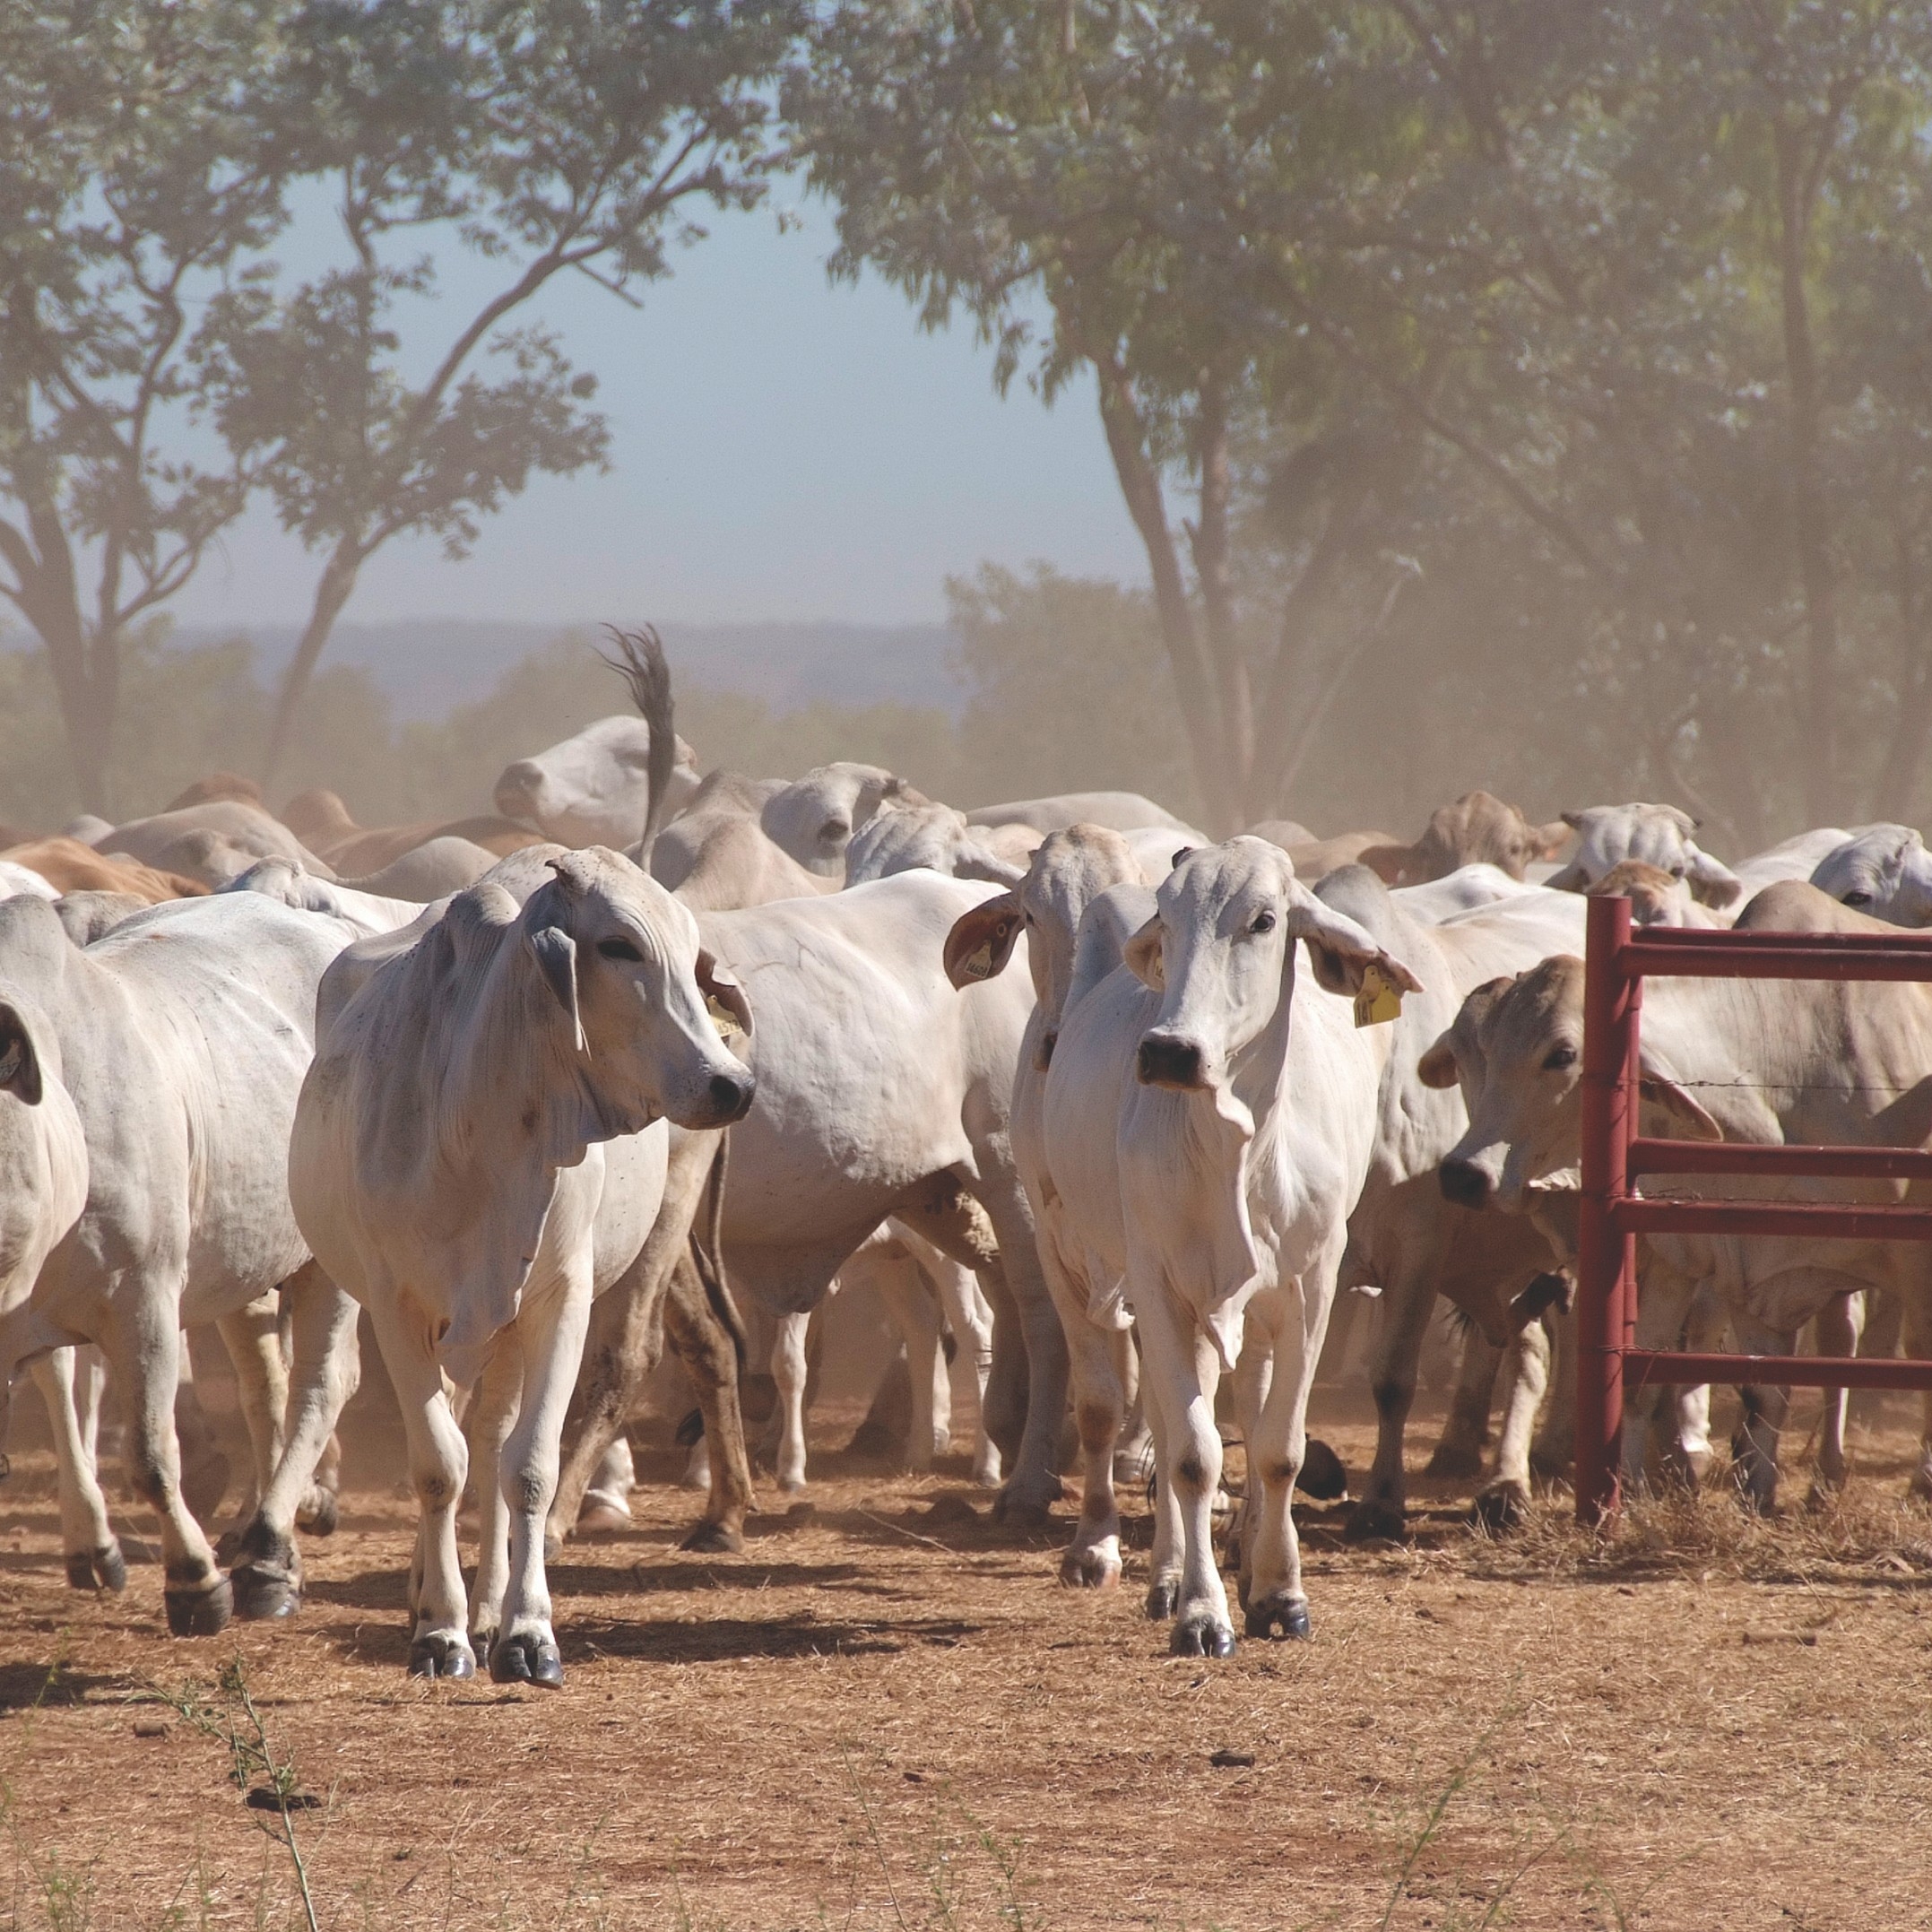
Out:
{"x": 723, "y": 1019}
{"x": 978, "y": 965}
{"x": 1379, "y": 1001}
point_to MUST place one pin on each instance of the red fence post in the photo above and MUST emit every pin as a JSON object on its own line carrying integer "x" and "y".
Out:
{"x": 1606, "y": 1259}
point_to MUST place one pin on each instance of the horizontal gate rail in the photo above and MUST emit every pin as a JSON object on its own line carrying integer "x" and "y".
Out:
{"x": 1612, "y": 1215}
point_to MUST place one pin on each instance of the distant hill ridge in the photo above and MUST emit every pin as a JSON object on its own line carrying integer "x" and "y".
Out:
{"x": 428, "y": 666}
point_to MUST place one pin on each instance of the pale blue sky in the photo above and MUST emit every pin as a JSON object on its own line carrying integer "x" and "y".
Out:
{"x": 782, "y": 449}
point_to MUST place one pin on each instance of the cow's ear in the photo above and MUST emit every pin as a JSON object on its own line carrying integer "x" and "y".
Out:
{"x": 20, "y": 1063}
{"x": 1550, "y": 839}
{"x": 1340, "y": 949}
{"x": 1572, "y": 879}
{"x": 980, "y": 941}
{"x": 722, "y": 992}
{"x": 556, "y": 955}
{"x": 977, "y": 863}
{"x": 1711, "y": 883}
{"x": 1574, "y": 819}
{"x": 1437, "y": 1067}
{"x": 1679, "y": 1108}
{"x": 1141, "y": 955}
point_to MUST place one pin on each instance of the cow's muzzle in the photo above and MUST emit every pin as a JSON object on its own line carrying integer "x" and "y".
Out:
{"x": 1466, "y": 1184}
{"x": 730, "y": 1097}
{"x": 1164, "y": 1060}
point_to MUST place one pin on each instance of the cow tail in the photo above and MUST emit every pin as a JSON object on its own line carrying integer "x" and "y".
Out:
{"x": 640, "y": 663}
{"x": 707, "y": 1253}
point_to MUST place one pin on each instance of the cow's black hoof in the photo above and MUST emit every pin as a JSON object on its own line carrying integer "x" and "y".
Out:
{"x": 1284, "y": 1616}
{"x": 1322, "y": 1478}
{"x": 441, "y": 1657}
{"x": 110, "y": 1567}
{"x": 527, "y": 1659}
{"x": 1200, "y": 1634}
{"x": 1502, "y": 1508}
{"x": 1374, "y": 1522}
{"x": 263, "y": 1591}
{"x": 202, "y": 1612}
{"x": 719, "y": 1539}
{"x": 1164, "y": 1599}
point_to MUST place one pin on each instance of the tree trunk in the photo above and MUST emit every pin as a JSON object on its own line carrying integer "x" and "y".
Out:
{"x": 1209, "y": 541}
{"x": 337, "y": 584}
{"x": 1193, "y": 687}
{"x": 1810, "y": 514}
{"x": 1911, "y": 723}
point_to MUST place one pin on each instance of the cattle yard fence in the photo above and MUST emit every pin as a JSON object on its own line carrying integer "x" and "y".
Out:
{"x": 1612, "y": 1214}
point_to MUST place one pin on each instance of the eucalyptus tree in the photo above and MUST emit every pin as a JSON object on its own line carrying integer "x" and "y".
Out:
{"x": 136, "y": 178}
{"x": 540, "y": 139}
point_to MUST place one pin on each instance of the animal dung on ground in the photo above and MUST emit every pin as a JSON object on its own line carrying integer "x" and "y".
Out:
{"x": 150, "y": 1727}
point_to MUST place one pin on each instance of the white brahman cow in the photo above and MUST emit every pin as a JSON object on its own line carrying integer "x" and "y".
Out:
{"x": 479, "y": 1149}
{"x": 176, "y": 1044}
{"x": 1239, "y": 1146}
{"x": 1658, "y": 834}
{"x": 1885, "y": 870}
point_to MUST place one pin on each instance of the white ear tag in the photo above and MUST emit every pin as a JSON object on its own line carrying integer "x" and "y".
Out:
{"x": 722, "y": 1017}
{"x": 978, "y": 965}
{"x": 1379, "y": 1001}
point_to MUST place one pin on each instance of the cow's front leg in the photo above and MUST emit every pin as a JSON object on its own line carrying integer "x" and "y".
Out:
{"x": 549, "y": 1335}
{"x": 267, "y": 1576}
{"x": 92, "y": 1552}
{"x": 913, "y": 1311}
{"x": 438, "y": 1464}
{"x": 970, "y": 1318}
{"x": 143, "y": 1347}
{"x": 1503, "y": 1500}
{"x": 1184, "y": 1366}
{"x": 1296, "y": 1316}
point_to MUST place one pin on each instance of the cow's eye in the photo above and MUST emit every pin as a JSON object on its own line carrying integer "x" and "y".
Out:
{"x": 1857, "y": 898}
{"x": 1263, "y": 922}
{"x": 833, "y": 829}
{"x": 1558, "y": 1058}
{"x": 1676, "y": 871}
{"x": 620, "y": 950}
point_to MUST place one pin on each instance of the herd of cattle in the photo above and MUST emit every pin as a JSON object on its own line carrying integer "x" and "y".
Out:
{"x": 540, "y": 1091}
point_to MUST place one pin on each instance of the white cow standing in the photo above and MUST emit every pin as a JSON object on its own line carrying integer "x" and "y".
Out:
{"x": 480, "y": 1149}
{"x": 1240, "y": 1145}
{"x": 593, "y": 789}
{"x": 177, "y": 1044}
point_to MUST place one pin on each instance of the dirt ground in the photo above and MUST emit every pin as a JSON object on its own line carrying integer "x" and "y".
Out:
{"x": 889, "y": 1715}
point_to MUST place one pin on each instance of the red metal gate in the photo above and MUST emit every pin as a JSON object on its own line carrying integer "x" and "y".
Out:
{"x": 1612, "y": 1215}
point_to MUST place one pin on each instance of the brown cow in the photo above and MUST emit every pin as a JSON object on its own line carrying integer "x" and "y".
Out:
{"x": 1476, "y": 829}
{"x": 69, "y": 866}
{"x": 321, "y": 820}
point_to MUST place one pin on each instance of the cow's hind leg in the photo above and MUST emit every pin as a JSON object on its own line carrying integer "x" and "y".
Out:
{"x": 267, "y": 1576}
{"x": 1407, "y": 1303}
{"x": 252, "y": 1334}
{"x": 144, "y": 1346}
{"x": 788, "y": 1369}
{"x": 92, "y": 1552}
{"x": 1465, "y": 1435}
{"x": 709, "y": 1353}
